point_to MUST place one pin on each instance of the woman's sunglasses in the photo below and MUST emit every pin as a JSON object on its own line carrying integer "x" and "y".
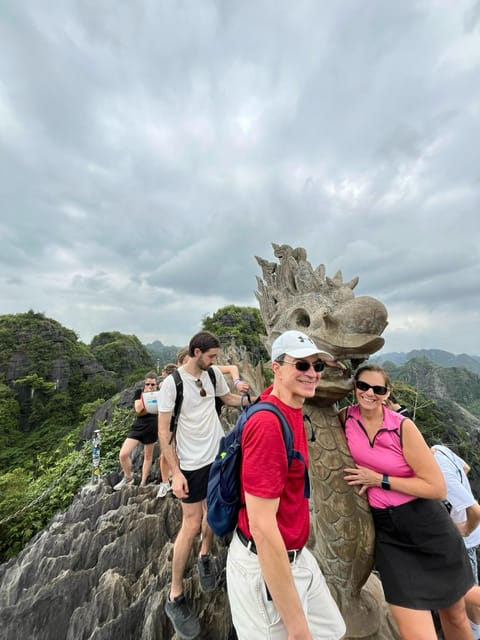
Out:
{"x": 377, "y": 389}
{"x": 304, "y": 365}
{"x": 199, "y": 384}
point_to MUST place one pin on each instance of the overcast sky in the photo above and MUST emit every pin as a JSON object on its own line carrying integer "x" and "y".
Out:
{"x": 150, "y": 149}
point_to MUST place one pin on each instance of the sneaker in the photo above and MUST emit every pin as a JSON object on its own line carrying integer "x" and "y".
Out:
{"x": 163, "y": 489}
{"x": 124, "y": 482}
{"x": 183, "y": 619}
{"x": 207, "y": 573}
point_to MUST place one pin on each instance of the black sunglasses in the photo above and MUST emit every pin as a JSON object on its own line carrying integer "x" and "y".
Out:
{"x": 304, "y": 365}
{"x": 377, "y": 389}
{"x": 199, "y": 384}
{"x": 150, "y": 384}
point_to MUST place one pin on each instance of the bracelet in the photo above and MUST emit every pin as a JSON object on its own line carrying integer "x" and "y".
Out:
{"x": 235, "y": 382}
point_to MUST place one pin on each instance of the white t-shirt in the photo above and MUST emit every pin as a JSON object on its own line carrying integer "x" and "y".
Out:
{"x": 199, "y": 428}
{"x": 459, "y": 493}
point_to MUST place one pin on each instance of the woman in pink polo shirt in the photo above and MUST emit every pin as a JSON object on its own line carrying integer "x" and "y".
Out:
{"x": 419, "y": 552}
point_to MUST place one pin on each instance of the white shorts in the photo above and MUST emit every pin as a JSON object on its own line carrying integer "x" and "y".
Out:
{"x": 254, "y": 615}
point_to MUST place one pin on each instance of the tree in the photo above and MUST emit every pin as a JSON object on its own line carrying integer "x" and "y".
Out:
{"x": 241, "y": 325}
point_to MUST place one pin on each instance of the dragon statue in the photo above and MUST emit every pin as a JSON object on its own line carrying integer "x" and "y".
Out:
{"x": 293, "y": 295}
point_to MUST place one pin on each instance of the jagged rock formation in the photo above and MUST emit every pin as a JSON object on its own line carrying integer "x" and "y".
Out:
{"x": 101, "y": 571}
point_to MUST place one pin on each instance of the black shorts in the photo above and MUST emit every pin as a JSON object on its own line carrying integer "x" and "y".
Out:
{"x": 145, "y": 436}
{"x": 197, "y": 484}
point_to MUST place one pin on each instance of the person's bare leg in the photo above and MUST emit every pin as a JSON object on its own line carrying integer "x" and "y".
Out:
{"x": 164, "y": 469}
{"x": 147, "y": 462}
{"x": 414, "y": 624}
{"x": 472, "y": 601}
{"x": 207, "y": 533}
{"x": 189, "y": 529}
{"x": 124, "y": 456}
{"x": 455, "y": 624}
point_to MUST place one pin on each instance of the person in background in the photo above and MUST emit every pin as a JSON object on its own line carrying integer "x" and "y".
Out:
{"x": 275, "y": 587}
{"x": 182, "y": 356}
{"x": 167, "y": 370}
{"x": 465, "y": 512}
{"x": 419, "y": 552}
{"x": 190, "y": 457}
{"x": 165, "y": 486}
{"x": 392, "y": 404}
{"x": 143, "y": 430}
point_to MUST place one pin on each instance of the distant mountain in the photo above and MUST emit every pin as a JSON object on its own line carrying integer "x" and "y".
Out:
{"x": 444, "y": 402}
{"x": 121, "y": 353}
{"x": 437, "y": 356}
{"x": 161, "y": 352}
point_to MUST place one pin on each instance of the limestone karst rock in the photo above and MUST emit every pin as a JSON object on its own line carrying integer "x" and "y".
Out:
{"x": 101, "y": 571}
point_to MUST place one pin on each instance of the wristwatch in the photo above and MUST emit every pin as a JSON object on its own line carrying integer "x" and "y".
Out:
{"x": 386, "y": 482}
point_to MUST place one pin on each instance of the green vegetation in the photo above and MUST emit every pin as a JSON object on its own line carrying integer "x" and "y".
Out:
{"x": 50, "y": 386}
{"x": 241, "y": 325}
{"x": 30, "y": 497}
{"x": 121, "y": 353}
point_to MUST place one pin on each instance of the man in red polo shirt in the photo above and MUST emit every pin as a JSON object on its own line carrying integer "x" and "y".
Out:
{"x": 275, "y": 586}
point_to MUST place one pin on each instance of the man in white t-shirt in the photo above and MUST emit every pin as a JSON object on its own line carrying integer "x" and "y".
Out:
{"x": 465, "y": 512}
{"x": 197, "y": 440}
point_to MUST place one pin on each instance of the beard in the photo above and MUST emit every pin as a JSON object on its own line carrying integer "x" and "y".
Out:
{"x": 202, "y": 364}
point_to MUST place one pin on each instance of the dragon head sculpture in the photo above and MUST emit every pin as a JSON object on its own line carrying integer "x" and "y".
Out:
{"x": 293, "y": 295}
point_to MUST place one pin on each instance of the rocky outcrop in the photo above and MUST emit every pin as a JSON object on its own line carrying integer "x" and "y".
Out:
{"x": 33, "y": 345}
{"x": 101, "y": 571}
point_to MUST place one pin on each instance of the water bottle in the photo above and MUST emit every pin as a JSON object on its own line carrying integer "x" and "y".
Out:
{"x": 96, "y": 456}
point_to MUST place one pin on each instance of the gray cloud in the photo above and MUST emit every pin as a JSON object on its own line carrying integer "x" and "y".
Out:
{"x": 148, "y": 151}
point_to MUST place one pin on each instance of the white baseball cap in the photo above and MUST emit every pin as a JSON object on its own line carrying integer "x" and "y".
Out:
{"x": 297, "y": 345}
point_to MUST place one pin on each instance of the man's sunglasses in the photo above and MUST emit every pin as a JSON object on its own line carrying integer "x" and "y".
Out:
{"x": 150, "y": 384}
{"x": 377, "y": 389}
{"x": 199, "y": 384}
{"x": 304, "y": 365}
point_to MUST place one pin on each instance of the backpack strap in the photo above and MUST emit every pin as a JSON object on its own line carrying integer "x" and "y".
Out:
{"x": 212, "y": 377}
{"x": 457, "y": 468}
{"x": 287, "y": 437}
{"x": 178, "y": 404}
{"x": 342, "y": 422}
{"x": 218, "y": 400}
{"x": 306, "y": 418}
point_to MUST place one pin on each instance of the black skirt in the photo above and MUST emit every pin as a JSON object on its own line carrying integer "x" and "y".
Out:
{"x": 420, "y": 555}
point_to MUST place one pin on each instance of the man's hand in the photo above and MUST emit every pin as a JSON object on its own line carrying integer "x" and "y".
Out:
{"x": 179, "y": 485}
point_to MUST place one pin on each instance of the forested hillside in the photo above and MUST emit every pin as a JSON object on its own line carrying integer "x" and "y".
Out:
{"x": 50, "y": 384}
{"x": 436, "y": 356}
{"x": 445, "y": 403}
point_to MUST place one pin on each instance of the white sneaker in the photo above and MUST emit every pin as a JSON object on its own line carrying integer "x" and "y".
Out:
{"x": 124, "y": 482}
{"x": 163, "y": 489}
